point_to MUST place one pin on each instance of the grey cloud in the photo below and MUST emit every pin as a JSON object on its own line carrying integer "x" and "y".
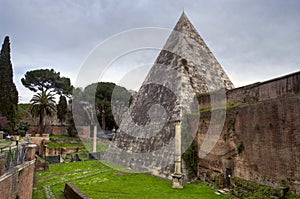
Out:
{"x": 253, "y": 40}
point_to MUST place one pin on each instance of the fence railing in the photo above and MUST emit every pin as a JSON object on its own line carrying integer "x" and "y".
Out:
{"x": 15, "y": 155}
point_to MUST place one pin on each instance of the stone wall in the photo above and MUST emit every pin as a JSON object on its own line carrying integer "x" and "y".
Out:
{"x": 40, "y": 141}
{"x": 260, "y": 140}
{"x": 60, "y": 151}
{"x": 72, "y": 192}
{"x": 54, "y": 130}
{"x": 273, "y": 89}
{"x": 83, "y": 131}
{"x": 58, "y": 130}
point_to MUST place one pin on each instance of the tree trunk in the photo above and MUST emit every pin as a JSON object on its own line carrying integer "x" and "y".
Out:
{"x": 103, "y": 120}
{"x": 42, "y": 122}
{"x": 40, "y": 129}
{"x": 61, "y": 127}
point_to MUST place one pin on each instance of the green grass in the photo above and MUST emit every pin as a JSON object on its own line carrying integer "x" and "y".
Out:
{"x": 5, "y": 143}
{"x": 100, "y": 181}
{"x": 101, "y": 146}
{"x": 62, "y": 137}
{"x": 227, "y": 106}
{"x": 86, "y": 146}
{"x": 65, "y": 145}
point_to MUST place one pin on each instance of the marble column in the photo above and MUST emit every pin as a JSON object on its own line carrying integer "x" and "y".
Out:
{"x": 177, "y": 177}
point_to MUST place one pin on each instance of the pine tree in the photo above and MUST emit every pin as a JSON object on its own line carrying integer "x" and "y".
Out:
{"x": 8, "y": 91}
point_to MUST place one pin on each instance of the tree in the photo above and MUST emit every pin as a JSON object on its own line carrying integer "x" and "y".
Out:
{"x": 47, "y": 80}
{"x": 62, "y": 110}
{"x": 4, "y": 123}
{"x": 42, "y": 105}
{"x": 102, "y": 93}
{"x": 9, "y": 93}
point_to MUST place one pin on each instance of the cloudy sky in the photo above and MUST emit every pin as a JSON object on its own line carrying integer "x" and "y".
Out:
{"x": 253, "y": 40}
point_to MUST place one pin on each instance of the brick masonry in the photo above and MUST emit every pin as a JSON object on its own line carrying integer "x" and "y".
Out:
{"x": 73, "y": 192}
{"x": 265, "y": 117}
{"x": 18, "y": 182}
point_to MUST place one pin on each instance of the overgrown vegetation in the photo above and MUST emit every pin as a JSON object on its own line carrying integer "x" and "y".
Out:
{"x": 240, "y": 147}
{"x": 256, "y": 127}
{"x": 228, "y": 105}
{"x": 251, "y": 190}
{"x": 190, "y": 157}
{"x": 101, "y": 181}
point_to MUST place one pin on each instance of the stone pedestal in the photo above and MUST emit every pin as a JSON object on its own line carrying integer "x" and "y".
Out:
{"x": 2, "y": 163}
{"x": 94, "y": 156}
{"x": 31, "y": 152}
{"x": 177, "y": 180}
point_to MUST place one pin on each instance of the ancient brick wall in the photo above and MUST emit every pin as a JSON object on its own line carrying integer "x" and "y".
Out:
{"x": 260, "y": 140}
{"x": 273, "y": 89}
{"x": 83, "y": 131}
{"x": 18, "y": 182}
{"x": 58, "y": 130}
{"x": 54, "y": 130}
{"x": 72, "y": 192}
{"x": 40, "y": 141}
{"x": 60, "y": 151}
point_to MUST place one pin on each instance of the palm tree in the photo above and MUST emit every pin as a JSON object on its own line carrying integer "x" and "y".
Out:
{"x": 42, "y": 105}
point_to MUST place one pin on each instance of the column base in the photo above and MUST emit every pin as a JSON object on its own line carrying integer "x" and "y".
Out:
{"x": 177, "y": 179}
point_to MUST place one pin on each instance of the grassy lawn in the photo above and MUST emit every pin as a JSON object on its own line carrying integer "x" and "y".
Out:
{"x": 62, "y": 137}
{"x": 65, "y": 145}
{"x": 101, "y": 146}
{"x": 5, "y": 143}
{"x": 86, "y": 146}
{"x": 100, "y": 181}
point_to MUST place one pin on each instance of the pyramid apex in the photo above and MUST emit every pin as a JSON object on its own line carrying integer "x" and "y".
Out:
{"x": 183, "y": 17}
{"x": 183, "y": 13}
{"x": 185, "y": 41}
{"x": 184, "y": 25}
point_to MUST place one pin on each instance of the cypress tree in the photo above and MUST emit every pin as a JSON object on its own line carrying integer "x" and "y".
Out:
{"x": 8, "y": 90}
{"x": 62, "y": 110}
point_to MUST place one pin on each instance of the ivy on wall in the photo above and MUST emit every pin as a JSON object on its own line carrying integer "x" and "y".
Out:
{"x": 190, "y": 156}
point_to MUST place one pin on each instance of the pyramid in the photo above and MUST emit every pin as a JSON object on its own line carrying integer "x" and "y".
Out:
{"x": 184, "y": 68}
